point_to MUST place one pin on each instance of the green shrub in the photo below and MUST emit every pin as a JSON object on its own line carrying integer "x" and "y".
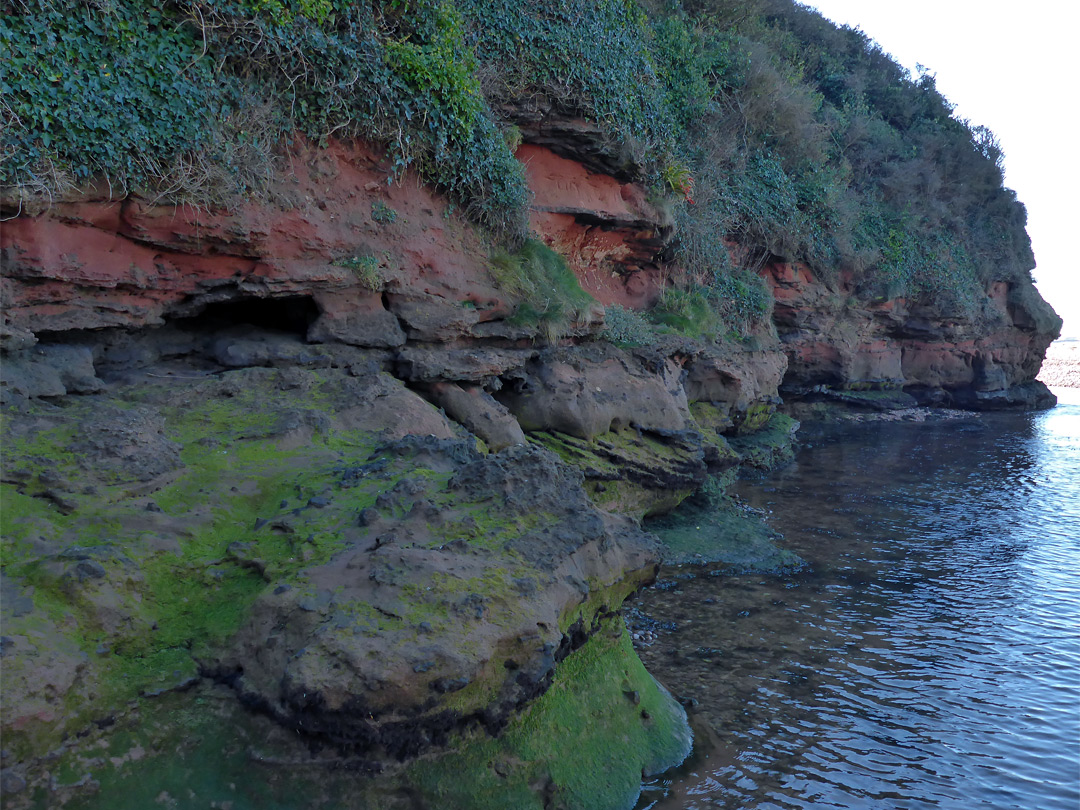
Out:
{"x": 815, "y": 145}
{"x": 550, "y": 296}
{"x": 687, "y": 312}
{"x": 741, "y": 298}
{"x": 383, "y": 213}
{"x": 785, "y": 134}
{"x": 139, "y": 94}
{"x": 591, "y": 58}
{"x": 368, "y": 271}
{"x": 627, "y": 328}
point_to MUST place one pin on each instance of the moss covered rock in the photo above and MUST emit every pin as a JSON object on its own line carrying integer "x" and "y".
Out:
{"x": 633, "y": 472}
{"x": 285, "y": 531}
{"x": 769, "y": 447}
{"x": 584, "y": 743}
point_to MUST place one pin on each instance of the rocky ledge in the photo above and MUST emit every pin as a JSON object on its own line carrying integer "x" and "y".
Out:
{"x": 324, "y": 542}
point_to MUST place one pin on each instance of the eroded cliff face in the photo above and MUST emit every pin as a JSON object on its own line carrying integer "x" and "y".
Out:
{"x": 607, "y": 230}
{"x": 91, "y": 262}
{"x": 982, "y": 360}
{"x": 278, "y": 404}
{"x": 374, "y": 264}
{"x": 95, "y": 286}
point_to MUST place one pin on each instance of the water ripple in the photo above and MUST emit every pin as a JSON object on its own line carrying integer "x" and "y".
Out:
{"x": 930, "y": 655}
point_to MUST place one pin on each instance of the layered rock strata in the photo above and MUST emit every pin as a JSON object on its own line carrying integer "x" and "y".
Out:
{"x": 982, "y": 359}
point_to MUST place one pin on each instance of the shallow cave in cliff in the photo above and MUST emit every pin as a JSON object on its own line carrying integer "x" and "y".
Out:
{"x": 292, "y": 314}
{"x": 224, "y": 334}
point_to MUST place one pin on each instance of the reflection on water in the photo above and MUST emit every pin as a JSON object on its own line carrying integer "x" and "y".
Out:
{"x": 930, "y": 654}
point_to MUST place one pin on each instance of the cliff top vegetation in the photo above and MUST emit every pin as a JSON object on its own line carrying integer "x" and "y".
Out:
{"x": 766, "y": 126}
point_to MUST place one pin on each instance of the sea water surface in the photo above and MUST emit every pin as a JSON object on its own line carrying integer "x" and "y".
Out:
{"x": 928, "y": 656}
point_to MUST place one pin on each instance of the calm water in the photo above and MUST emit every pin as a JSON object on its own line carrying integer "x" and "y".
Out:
{"x": 929, "y": 656}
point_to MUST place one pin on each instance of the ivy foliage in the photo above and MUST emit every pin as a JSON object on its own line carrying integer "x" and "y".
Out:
{"x": 594, "y": 58}
{"x": 816, "y": 146}
{"x": 783, "y": 134}
{"x": 118, "y": 90}
{"x": 90, "y": 91}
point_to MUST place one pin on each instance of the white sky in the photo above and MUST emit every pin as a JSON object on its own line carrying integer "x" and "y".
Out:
{"x": 1012, "y": 66}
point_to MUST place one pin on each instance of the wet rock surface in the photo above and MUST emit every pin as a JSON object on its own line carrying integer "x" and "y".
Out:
{"x": 469, "y": 562}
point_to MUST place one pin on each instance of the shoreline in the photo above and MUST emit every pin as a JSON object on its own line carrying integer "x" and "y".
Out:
{"x": 695, "y": 639}
{"x": 1061, "y": 368}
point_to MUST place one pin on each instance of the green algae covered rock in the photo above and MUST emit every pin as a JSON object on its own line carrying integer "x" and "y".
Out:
{"x": 633, "y": 472}
{"x": 770, "y": 447}
{"x": 583, "y": 744}
{"x": 287, "y": 533}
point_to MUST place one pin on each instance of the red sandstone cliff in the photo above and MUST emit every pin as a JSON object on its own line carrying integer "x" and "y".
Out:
{"x": 89, "y": 263}
{"x": 983, "y": 360}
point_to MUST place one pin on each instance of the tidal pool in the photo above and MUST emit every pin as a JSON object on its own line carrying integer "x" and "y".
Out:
{"x": 927, "y": 655}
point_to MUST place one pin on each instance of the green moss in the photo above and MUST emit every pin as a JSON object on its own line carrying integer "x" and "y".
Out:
{"x": 577, "y": 453}
{"x": 200, "y": 599}
{"x": 600, "y": 602}
{"x": 712, "y": 423}
{"x": 49, "y": 446}
{"x": 190, "y": 609}
{"x": 754, "y": 418}
{"x": 589, "y": 735}
{"x": 125, "y": 675}
{"x": 196, "y": 750}
{"x": 708, "y": 416}
{"x": 769, "y": 447}
{"x": 617, "y": 462}
{"x": 174, "y": 593}
{"x": 627, "y": 498}
{"x": 23, "y": 517}
{"x": 189, "y": 596}
{"x": 586, "y": 738}
{"x": 640, "y": 443}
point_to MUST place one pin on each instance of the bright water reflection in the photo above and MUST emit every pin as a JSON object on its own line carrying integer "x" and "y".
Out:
{"x": 929, "y": 656}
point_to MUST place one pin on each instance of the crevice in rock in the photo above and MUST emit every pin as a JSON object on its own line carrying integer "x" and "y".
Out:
{"x": 240, "y": 332}
{"x": 388, "y": 305}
